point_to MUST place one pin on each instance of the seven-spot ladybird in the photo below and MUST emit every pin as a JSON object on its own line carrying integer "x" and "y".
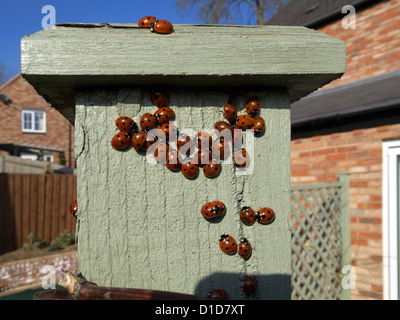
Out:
{"x": 183, "y": 139}
{"x": 159, "y": 97}
{"x": 147, "y": 22}
{"x": 217, "y": 294}
{"x": 212, "y": 169}
{"x": 189, "y": 169}
{"x": 265, "y": 215}
{"x": 213, "y": 209}
{"x": 124, "y": 123}
{"x": 244, "y": 122}
{"x": 121, "y": 140}
{"x": 138, "y": 140}
{"x": 203, "y": 140}
{"x": 237, "y": 139}
{"x": 172, "y": 161}
{"x": 241, "y": 158}
{"x": 164, "y": 115}
{"x": 74, "y": 208}
{"x": 227, "y": 244}
{"x": 148, "y": 121}
{"x": 244, "y": 249}
{"x": 247, "y": 216}
{"x": 258, "y": 126}
{"x": 253, "y": 106}
{"x": 230, "y": 112}
{"x": 162, "y": 26}
{"x": 222, "y": 125}
{"x": 249, "y": 285}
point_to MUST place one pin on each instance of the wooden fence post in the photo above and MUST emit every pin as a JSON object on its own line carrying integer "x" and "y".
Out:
{"x": 143, "y": 227}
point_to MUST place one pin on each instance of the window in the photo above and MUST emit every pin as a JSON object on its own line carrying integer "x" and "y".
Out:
{"x": 391, "y": 219}
{"x": 33, "y": 120}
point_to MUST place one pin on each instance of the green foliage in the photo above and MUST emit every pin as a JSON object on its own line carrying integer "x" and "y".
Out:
{"x": 64, "y": 239}
{"x": 34, "y": 243}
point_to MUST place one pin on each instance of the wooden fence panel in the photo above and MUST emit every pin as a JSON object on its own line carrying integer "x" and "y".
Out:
{"x": 37, "y": 204}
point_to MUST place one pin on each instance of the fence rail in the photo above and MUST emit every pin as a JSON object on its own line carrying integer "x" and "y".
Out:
{"x": 320, "y": 240}
{"x": 37, "y": 204}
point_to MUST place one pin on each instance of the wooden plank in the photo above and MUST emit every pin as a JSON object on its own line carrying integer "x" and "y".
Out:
{"x": 33, "y": 204}
{"x": 55, "y": 212}
{"x": 26, "y": 210}
{"x": 47, "y": 221}
{"x": 57, "y": 60}
{"x": 5, "y": 215}
{"x": 41, "y": 206}
{"x": 17, "y": 197}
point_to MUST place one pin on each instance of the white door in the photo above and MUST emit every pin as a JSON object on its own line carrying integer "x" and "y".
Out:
{"x": 391, "y": 221}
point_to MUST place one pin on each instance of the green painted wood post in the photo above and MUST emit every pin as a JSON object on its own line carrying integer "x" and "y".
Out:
{"x": 344, "y": 179}
{"x": 143, "y": 226}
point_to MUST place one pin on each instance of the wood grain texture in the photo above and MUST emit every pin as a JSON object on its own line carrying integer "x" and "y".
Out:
{"x": 57, "y": 61}
{"x": 143, "y": 227}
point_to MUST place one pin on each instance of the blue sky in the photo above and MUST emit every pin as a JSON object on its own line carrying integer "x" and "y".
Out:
{"x": 22, "y": 17}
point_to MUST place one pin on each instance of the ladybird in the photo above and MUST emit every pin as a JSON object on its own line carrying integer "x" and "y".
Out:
{"x": 124, "y": 123}
{"x": 241, "y": 158}
{"x": 230, "y": 112}
{"x": 164, "y": 115}
{"x": 203, "y": 140}
{"x": 138, "y": 140}
{"x": 203, "y": 157}
{"x": 247, "y": 216}
{"x": 249, "y": 285}
{"x": 220, "y": 149}
{"x": 265, "y": 215}
{"x": 172, "y": 161}
{"x": 217, "y": 294}
{"x": 244, "y": 122}
{"x": 121, "y": 140}
{"x": 227, "y": 244}
{"x": 189, "y": 169}
{"x": 253, "y": 106}
{"x": 170, "y": 131}
{"x": 151, "y": 138}
{"x": 258, "y": 126}
{"x": 183, "y": 139}
{"x": 213, "y": 209}
{"x": 185, "y": 145}
{"x": 222, "y": 125}
{"x": 74, "y": 208}
{"x": 147, "y": 22}
{"x": 159, "y": 97}
{"x": 212, "y": 169}
{"x": 148, "y": 121}
{"x": 162, "y": 26}
{"x": 244, "y": 249}
{"x": 160, "y": 153}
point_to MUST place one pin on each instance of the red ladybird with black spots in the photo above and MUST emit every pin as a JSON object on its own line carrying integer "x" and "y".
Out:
{"x": 265, "y": 215}
{"x": 247, "y": 216}
{"x": 148, "y": 121}
{"x": 244, "y": 249}
{"x": 212, "y": 169}
{"x": 124, "y": 123}
{"x": 213, "y": 209}
{"x": 230, "y": 112}
{"x": 159, "y": 97}
{"x": 163, "y": 27}
{"x": 253, "y": 106}
{"x": 228, "y": 244}
{"x": 121, "y": 140}
{"x": 147, "y": 21}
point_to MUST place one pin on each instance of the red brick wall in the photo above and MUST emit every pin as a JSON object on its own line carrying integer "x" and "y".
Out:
{"x": 23, "y": 94}
{"x": 320, "y": 159}
{"x": 373, "y": 47}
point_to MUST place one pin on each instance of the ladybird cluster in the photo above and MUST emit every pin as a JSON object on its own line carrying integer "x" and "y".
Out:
{"x": 210, "y": 151}
{"x": 249, "y": 287}
{"x": 155, "y": 25}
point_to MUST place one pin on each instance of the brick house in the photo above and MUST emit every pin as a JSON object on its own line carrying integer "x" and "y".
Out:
{"x": 353, "y": 125}
{"x": 30, "y": 128}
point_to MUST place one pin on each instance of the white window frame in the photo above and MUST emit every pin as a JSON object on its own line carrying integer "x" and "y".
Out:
{"x": 32, "y": 112}
{"x": 390, "y": 219}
